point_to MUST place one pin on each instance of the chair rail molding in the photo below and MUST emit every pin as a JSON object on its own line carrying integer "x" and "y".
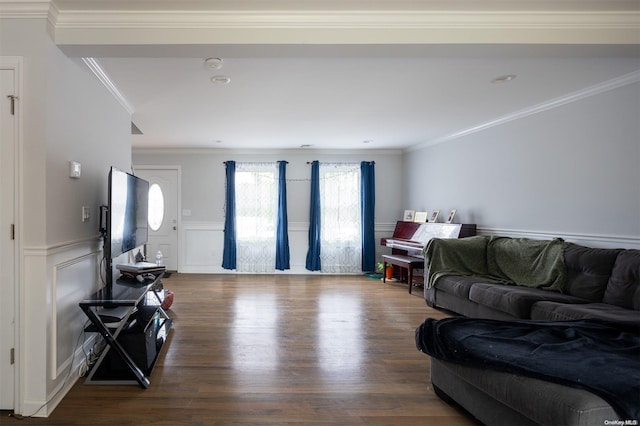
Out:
{"x": 591, "y": 240}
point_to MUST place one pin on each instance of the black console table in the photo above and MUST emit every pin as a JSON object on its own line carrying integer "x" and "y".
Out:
{"x": 134, "y": 326}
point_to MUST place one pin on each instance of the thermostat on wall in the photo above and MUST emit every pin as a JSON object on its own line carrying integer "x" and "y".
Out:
{"x": 75, "y": 169}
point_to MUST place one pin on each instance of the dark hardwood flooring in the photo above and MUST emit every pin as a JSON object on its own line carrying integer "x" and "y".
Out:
{"x": 275, "y": 350}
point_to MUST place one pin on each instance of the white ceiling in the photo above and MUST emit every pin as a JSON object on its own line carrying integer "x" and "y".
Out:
{"x": 337, "y": 102}
{"x": 336, "y": 84}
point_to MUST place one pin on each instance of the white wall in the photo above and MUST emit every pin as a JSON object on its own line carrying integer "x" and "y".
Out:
{"x": 571, "y": 171}
{"x": 203, "y": 193}
{"x": 26, "y": 38}
{"x": 66, "y": 115}
{"x": 77, "y": 106}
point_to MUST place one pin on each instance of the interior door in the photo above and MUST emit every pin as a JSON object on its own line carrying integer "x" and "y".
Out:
{"x": 163, "y": 213}
{"x": 7, "y": 240}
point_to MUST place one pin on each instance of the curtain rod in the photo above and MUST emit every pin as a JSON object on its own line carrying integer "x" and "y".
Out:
{"x": 370, "y": 162}
{"x": 308, "y": 162}
{"x": 279, "y": 161}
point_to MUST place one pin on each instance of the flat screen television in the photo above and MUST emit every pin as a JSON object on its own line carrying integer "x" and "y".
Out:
{"x": 125, "y": 223}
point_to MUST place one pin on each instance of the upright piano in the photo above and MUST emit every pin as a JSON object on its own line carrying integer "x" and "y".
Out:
{"x": 410, "y": 238}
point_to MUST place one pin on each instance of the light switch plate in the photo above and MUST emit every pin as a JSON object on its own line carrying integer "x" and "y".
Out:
{"x": 75, "y": 169}
{"x": 86, "y": 214}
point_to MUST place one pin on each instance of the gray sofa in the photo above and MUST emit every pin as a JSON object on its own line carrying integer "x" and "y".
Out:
{"x": 520, "y": 279}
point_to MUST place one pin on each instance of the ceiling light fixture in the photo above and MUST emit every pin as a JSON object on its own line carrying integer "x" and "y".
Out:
{"x": 503, "y": 79}
{"x": 220, "y": 79}
{"x": 213, "y": 63}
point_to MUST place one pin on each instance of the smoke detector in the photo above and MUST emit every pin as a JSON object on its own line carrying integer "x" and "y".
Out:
{"x": 213, "y": 63}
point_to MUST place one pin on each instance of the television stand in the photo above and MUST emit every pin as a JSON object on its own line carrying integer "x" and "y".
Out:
{"x": 134, "y": 326}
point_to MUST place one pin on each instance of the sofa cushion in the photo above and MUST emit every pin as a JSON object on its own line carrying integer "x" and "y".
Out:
{"x": 515, "y": 300}
{"x": 563, "y": 312}
{"x": 588, "y": 270}
{"x": 457, "y": 285}
{"x": 623, "y": 288}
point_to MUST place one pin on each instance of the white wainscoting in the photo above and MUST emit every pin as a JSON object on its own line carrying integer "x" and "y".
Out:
{"x": 202, "y": 246}
{"x": 70, "y": 280}
{"x": 56, "y": 279}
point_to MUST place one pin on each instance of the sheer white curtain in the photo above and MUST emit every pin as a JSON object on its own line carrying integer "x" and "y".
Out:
{"x": 341, "y": 235}
{"x": 256, "y": 216}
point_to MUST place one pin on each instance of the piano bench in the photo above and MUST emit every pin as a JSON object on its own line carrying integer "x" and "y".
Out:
{"x": 406, "y": 262}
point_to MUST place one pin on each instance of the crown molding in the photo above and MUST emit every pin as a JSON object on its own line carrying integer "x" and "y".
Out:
{"x": 168, "y": 19}
{"x": 24, "y": 9}
{"x": 104, "y": 78}
{"x": 608, "y": 20}
{"x": 128, "y": 27}
{"x": 260, "y": 152}
{"x": 633, "y": 77}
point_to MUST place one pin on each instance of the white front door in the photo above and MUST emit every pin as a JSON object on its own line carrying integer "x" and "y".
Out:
{"x": 7, "y": 239}
{"x": 163, "y": 231}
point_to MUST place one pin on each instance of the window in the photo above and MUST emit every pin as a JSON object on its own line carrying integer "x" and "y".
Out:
{"x": 256, "y": 189}
{"x": 341, "y": 232}
{"x": 156, "y": 207}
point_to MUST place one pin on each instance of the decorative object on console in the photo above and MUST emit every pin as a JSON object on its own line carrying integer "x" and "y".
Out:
{"x": 434, "y": 216}
{"x": 408, "y": 215}
{"x": 421, "y": 217}
{"x": 452, "y": 213}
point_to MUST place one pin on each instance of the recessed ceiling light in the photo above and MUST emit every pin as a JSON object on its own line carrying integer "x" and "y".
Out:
{"x": 306, "y": 145}
{"x": 213, "y": 63}
{"x": 503, "y": 78}
{"x": 367, "y": 141}
{"x": 220, "y": 79}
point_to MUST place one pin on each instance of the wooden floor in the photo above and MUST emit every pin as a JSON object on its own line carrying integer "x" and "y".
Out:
{"x": 277, "y": 349}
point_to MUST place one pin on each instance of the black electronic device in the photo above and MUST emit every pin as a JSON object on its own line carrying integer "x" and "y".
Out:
{"x": 124, "y": 221}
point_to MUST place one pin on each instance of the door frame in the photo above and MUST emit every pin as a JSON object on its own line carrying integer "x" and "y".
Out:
{"x": 15, "y": 64}
{"x": 178, "y": 170}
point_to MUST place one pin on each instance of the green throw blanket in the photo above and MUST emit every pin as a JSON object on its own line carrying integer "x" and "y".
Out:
{"x": 516, "y": 261}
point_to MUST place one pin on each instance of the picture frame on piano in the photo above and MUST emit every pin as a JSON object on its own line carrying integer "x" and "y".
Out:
{"x": 452, "y": 213}
{"x": 409, "y": 215}
{"x": 421, "y": 217}
{"x": 434, "y": 216}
